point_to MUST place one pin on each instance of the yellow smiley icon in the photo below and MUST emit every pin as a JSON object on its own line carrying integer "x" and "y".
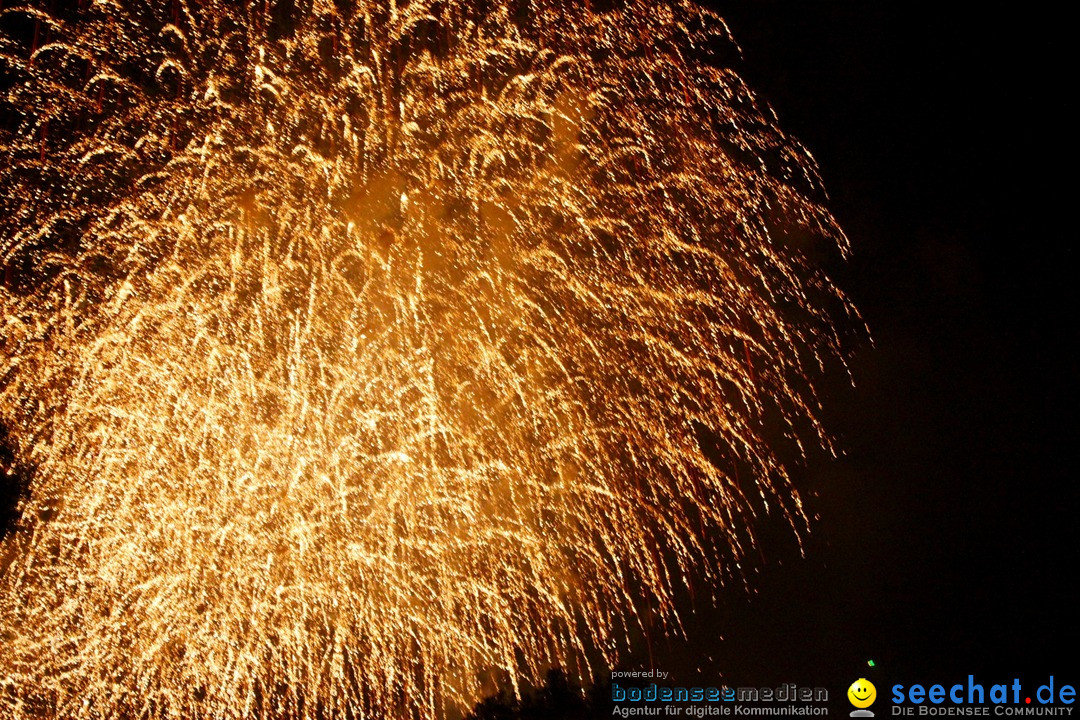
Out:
{"x": 862, "y": 693}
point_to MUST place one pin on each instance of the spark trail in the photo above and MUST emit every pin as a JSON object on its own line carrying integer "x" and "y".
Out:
{"x": 358, "y": 350}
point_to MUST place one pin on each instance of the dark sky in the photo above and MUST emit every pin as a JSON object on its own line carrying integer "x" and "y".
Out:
{"x": 947, "y": 539}
{"x": 946, "y": 543}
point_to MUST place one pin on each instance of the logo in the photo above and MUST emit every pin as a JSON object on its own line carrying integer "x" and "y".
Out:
{"x": 862, "y": 694}
{"x": 973, "y": 698}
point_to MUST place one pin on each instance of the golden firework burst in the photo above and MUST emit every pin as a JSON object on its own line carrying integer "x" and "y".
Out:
{"x": 359, "y": 349}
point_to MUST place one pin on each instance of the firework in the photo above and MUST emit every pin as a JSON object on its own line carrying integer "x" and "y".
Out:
{"x": 357, "y": 351}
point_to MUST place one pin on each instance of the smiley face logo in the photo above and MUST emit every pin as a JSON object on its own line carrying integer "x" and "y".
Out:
{"x": 862, "y": 693}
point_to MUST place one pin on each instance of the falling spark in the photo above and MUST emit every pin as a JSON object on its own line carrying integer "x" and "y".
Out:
{"x": 357, "y": 351}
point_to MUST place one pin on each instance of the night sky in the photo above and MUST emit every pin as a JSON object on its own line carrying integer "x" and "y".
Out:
{"x": 946, "y": 539}
{"x": 946, "y": 543}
